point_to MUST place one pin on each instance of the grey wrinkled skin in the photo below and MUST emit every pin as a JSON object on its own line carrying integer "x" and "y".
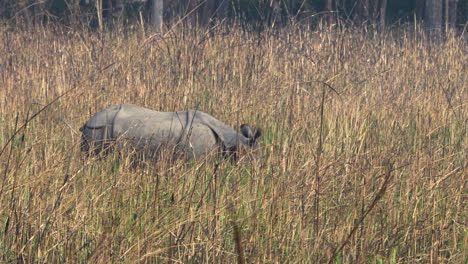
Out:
{"x": 192, "y": 133}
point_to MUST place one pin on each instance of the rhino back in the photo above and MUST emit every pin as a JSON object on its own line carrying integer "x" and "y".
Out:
{"x": 138, "y": 122}
{"x": 147, "y": 129}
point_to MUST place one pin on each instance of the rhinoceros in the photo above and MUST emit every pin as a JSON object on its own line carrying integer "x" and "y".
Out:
{"x": 193, "y": 133}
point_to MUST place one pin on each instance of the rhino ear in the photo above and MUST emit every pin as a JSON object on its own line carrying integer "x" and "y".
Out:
{"x": 246, "y": 131}
{"x": 258, "y": 133}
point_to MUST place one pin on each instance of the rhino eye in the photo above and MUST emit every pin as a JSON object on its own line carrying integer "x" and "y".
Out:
{"x": 230, "y": 149}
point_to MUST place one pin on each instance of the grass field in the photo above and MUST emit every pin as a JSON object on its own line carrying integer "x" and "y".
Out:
{"x": 364, "y": 148}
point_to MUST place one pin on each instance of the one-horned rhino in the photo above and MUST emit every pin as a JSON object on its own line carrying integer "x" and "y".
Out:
{"x": 192, "y": 133}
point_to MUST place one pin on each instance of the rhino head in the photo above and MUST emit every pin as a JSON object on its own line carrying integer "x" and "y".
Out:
{"x": 246, "y": 147}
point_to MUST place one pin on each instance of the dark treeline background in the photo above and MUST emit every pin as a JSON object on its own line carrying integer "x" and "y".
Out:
{"x": 437, "y": 15}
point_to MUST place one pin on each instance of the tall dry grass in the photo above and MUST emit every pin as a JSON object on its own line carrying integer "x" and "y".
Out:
{"x": 369, "y": 169}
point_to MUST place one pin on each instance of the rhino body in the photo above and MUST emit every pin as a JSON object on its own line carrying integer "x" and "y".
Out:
{"x": 191, "y": 133}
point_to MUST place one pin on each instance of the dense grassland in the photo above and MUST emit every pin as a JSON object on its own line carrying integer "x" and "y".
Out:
{"x": 364, "y": 148}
